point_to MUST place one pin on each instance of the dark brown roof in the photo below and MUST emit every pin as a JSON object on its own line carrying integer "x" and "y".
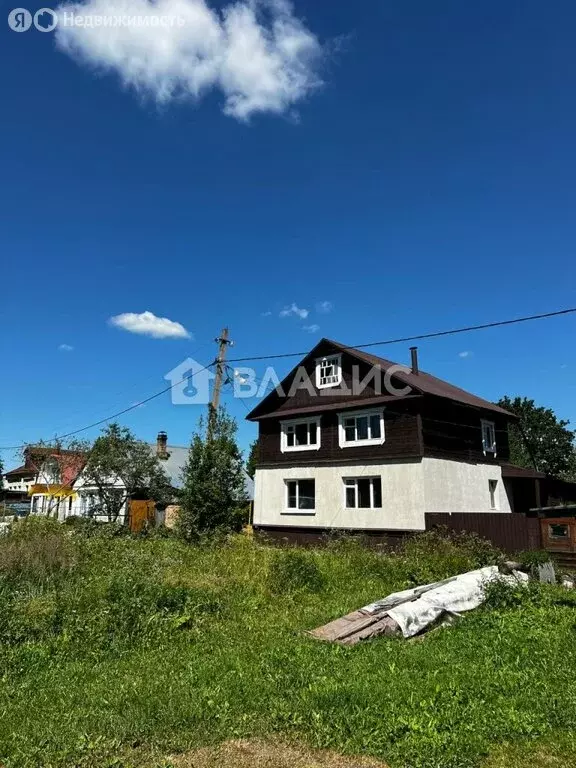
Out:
{"x": 510, "y": 470}
{"x": 426, "y": 383}
{"x": 339, "y": 406}
{"x": 422, "y": 384}
{"x": 23, "y": 470}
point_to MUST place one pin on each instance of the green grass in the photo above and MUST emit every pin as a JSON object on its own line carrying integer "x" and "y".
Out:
{"x": 119, "y": 652}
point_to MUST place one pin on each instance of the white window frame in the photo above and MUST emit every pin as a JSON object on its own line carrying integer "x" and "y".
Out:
{"x": 356, "y": 414}
{"x": 494, "y": 494}
{"x": 485, "y": 424}
{"x": 285, "y": 425}
{"x": 338, "y": 364}
{"x": 296, "y": 510}
{"x": 348, "y": 482}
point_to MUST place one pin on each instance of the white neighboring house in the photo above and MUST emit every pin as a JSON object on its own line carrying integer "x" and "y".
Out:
{"x": 61, "y": 489}
{"x": 354, "y": 442}
{"x": 52, "y": 494}
{"x": 19, "y": 480}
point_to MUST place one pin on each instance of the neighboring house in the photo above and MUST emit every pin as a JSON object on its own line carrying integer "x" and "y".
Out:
{"x": 52, "y": 493}
{"x": 19, "y": 480}
{"x": 172, "y": 459}
{"x": 62, "y": 490}
{"x": 355, "y": 442}
{"x": 16, "y": 484}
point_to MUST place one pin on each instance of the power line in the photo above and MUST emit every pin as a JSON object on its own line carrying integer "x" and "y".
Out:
{"x": 419, "y": 337}
{"x": 119, "y": 413}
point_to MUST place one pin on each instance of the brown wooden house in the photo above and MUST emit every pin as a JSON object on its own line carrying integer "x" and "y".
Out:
{"x": 351, "y": 441}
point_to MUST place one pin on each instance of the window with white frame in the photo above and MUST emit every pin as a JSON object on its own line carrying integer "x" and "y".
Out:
{"x": 361, "y": 428}
{"x": 328, "y": 371}
{"x": 492, "y": 489}
{"x": 363, "y": 492}
{"x": 301, "y": 495}
{"x": 300, "y": 435}
{"x": 488, "y": 437}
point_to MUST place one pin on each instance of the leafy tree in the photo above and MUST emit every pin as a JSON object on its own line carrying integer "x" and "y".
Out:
{"x": 214, "y": 493}
{"x": 540, "y": 438}
{"x": 253, "y": 458}
{"x": 118, "y": 456}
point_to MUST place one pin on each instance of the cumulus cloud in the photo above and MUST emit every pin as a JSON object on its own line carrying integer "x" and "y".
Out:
{"x": 324, "y": 307}
{"x": 147, "y": 324}
{"x": 294, "y": 310}
{"x": 311, "y": 328}
{"x": 65, "y": 348}
{"x": 265, "y": 314}
{"x": 465, "y": 354}
{"x": 256, "y": 53}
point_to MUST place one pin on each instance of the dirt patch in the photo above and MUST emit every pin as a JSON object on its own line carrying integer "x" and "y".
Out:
{"x": 266, "y": 754}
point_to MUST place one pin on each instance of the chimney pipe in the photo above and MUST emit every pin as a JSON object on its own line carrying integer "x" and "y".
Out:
{"x": 161, "y": 442}
{"x": 414, "y": 356}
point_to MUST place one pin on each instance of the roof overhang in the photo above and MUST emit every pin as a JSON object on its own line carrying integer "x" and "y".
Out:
{"x": 339, "y": 406}
{"x": 512, "y": 471}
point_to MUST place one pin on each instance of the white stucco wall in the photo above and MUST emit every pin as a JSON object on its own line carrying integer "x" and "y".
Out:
{"x": 402, "y": 497}
{"x": 409, "y": 490}
{"x": 455, "y": 486}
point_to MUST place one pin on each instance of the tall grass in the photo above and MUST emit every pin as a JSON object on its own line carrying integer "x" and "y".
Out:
{"x": 119, "y": 652}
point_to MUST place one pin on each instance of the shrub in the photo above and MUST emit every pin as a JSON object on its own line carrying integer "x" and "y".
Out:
{"x": 36, "y": 550}
{"x": 90, "y": 528}
{"x": 292, "y": 571}
{"x": 441, "y": 552}
{"x": 533, "y": 558}
{"x": 501, "y": 595}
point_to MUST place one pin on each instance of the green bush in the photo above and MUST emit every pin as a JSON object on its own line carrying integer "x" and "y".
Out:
{"x": 88, "y": 528}
{"x": 292, "y": 571}
{"x": 35, "y": 550}
{"x": 533, "y": 558}
{"x": 440, "y": 553}
{"x": 501, "y": 595}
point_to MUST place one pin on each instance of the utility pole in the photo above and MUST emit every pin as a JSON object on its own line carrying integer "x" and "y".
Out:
{"x": 222, "y": 342}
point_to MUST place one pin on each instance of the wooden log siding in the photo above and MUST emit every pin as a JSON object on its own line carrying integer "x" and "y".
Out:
{"x": 453, "y": 431}
{"x": 402, "y": 440}
{"x": 510, "y": 532}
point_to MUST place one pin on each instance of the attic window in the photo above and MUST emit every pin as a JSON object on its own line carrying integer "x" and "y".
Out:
{"x": 328, "y": 371}
{"x": 488, "y": 437}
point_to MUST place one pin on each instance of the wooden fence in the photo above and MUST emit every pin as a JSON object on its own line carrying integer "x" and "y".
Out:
{"x": 511, "y": 532}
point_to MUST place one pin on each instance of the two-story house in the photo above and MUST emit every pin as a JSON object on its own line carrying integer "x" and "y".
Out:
{"x": 350, "y": 441}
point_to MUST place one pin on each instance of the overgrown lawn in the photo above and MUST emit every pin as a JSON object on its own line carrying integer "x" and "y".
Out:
{"x": 121, "y": 652}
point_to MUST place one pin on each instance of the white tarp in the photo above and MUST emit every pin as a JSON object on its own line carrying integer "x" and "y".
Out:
{"x": 416, "y": 609}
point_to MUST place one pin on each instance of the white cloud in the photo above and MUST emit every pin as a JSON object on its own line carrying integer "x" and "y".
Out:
{"x": 255, "y": 52}
{"x": 148, "y": 324}
{"x": 324, "y": 307}
{"x": 294, "y": 310}
{"x": 65, "y": 348}
{"x": 265, "y": 314}
{"x": 464, "y": 354}
{"x": 311, "y": 328}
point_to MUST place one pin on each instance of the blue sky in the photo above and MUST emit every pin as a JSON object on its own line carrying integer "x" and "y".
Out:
{"x": 412, "y": 164}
